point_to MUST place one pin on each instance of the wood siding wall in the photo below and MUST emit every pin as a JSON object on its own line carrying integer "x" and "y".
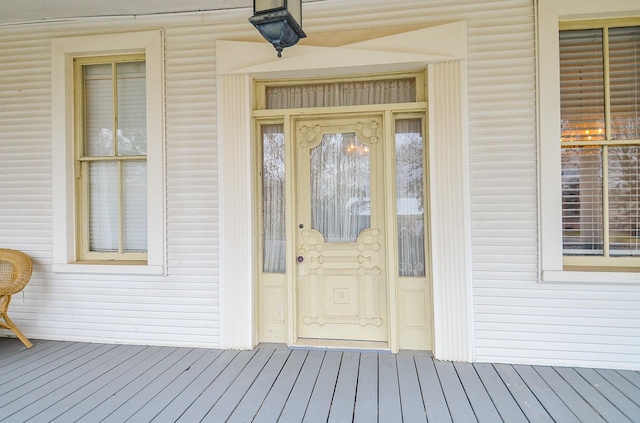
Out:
{"x": 516, "y": 318}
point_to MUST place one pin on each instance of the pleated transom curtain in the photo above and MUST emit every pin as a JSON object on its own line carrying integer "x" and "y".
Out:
{"x": 333, "y": 94}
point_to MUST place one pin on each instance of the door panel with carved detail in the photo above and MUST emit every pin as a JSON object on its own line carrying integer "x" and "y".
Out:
{"x": 341, "y": 282}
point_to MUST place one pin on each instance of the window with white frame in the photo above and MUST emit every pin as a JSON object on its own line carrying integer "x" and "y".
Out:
{"x": 108, "y": 153}
{"x": 600, "y": 143}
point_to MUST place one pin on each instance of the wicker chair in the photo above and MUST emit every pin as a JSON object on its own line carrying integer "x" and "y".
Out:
{"x": 15, "y": 272}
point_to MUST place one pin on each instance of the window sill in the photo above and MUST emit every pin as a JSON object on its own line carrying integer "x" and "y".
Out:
{"x": 592, "y": 276}
{"x": 117, "y": 268}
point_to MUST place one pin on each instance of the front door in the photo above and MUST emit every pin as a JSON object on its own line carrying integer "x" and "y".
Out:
{"x": 341, "y": 280}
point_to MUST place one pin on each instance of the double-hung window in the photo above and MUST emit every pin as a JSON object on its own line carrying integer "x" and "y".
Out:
{"x": 600, "y": 140}
{"x": 111, "y": 157}
{"x": 107, "y": 94}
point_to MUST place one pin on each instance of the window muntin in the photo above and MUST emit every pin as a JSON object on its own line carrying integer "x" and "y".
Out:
{"x": 600, "y": 112}
{"x": 111, "y": 146}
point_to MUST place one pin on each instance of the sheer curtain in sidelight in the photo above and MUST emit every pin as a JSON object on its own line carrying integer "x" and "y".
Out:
{"x": 410, "y": 197}
{"x": 273, "y": 199}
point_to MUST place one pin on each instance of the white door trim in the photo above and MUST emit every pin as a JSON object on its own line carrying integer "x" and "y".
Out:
{"x": 443, "y": 50}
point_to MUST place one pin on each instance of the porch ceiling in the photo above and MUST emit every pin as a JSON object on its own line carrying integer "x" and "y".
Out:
{"x": 12, "y": 12}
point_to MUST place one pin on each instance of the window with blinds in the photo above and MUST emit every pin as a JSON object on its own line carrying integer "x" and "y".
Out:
{"x": 600, "y": 129}
{"x": 111, "y": 157}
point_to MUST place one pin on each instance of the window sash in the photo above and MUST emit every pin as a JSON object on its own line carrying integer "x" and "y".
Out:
{"x": 600, "y": 82}
{"x": 111, "y": 156}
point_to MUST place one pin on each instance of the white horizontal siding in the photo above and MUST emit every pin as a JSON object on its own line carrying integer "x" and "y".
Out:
{"x": 178, "y": 309}
{"x": 516, "y": 318}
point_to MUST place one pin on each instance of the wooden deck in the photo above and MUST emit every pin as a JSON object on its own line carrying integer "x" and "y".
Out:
{"x": 69, "y": 382}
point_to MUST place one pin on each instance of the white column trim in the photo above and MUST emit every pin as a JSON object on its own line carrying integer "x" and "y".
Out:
{"x": 449, "y": 212}
{"x": 236, "y": 212}
{"x": 445, "y": 46}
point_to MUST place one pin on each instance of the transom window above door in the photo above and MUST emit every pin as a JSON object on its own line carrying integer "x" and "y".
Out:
{"x": 382, "y": 89}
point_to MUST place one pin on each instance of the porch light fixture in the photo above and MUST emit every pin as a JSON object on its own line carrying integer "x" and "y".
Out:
{"x": 279, "y": 22}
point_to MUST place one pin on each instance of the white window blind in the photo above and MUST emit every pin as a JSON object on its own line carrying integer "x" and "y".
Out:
{"x": 600, "y": 112}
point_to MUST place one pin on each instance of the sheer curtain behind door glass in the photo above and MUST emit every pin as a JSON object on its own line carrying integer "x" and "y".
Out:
{"x": 340, "y": 187}
{"x": 273, "y": 199}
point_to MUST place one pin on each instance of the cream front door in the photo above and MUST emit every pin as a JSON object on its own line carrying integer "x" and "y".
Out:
{"x": 341, "y": 280}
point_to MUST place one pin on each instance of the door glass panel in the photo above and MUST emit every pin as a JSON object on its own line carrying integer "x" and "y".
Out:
{"x": 410, "y": 197}
{"x": 340, "y": 187}
{"x": 273, "y": 199}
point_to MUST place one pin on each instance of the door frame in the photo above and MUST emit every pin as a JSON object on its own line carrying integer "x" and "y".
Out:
{"x": 443, "y": 50}
{"x": 283, "y": 287}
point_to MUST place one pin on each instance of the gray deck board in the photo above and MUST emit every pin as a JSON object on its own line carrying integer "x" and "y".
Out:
{"x": 459, "y": 405}
{"x": 522, "y": 394}
{"x": 623, "y": 385}
{"x": 181, "y": 402}
{"x": 18, "y": 375}
{"x": 412, "y": 407}
{"x": 16, "y": 365}
{"x": 432, "y": 394}
{"x": 366, "y": 408}
{"x": 504, "y": 402}
{"x": 389, "y": 407}
{"x": 630, "y": 409}
{"x": 69, "y": 382}
{"x": 27, "y": 393}
{"x": 279, "y": 394}
{"x": 256, "y": 395}
{"x": 599, "y": 403}
{"x": 122, "y": 398}
{"x": 479, "y": 398}
{"x": 296, "y": 405}
{"x": 344, "y": 398}
{"x": 216, "y": 388}
{"x": 227, "y": 403}
{"x": 322, "y": 395}
{"x": 583, "y": 411}
{"x": 76, "y": 406}
{"x": 546, "y": 395}
{"x": 77, "y": 383}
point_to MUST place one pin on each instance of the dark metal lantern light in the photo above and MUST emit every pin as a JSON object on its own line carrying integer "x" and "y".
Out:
{"x": 279, "y": 22}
